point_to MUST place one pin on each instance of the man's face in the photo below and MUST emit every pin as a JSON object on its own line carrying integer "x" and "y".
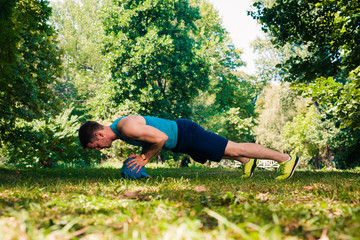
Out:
{"x": 99, "y": 142}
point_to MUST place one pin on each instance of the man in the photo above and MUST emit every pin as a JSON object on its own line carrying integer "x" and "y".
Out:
{"x": 183, "y": 136}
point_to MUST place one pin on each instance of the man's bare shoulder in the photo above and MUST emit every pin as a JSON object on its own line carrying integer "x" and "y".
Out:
{"x": 130, "y": 121}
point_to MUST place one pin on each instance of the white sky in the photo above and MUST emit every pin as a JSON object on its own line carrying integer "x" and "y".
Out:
{"x": 243, "y": 29}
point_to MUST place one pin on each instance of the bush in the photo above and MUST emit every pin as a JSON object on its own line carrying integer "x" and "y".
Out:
{"x": 349, "y": 154}
{"x": 49, "y": 143}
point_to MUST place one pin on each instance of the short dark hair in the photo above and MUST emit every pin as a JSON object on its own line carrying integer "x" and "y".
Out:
{"x": 87, "y": 132}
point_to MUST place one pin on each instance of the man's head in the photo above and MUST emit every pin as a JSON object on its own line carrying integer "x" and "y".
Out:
{"x": 93, "y": 135}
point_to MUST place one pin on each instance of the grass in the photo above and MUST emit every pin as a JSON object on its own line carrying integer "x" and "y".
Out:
{"x": 186, "y": 203}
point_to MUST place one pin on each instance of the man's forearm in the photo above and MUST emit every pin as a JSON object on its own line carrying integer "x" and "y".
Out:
{"x": 152, "y": 150}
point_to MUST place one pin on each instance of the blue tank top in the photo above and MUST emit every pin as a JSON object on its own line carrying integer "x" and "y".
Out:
{"x": 168, "y": 127}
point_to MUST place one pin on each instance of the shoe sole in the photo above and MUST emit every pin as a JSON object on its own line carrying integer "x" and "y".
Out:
{"x": 253, "y": 168}
{"x": 297, "y": 161}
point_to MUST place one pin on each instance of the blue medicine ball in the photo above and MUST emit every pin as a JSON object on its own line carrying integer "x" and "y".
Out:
{"x": 126, "y": 172}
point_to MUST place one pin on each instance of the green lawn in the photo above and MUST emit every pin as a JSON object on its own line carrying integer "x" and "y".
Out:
{"x": 187, "y": 203}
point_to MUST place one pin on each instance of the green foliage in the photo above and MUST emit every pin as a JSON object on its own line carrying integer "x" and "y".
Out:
{"x": 230, "y": 110}
{"x": 234, "y": 109}
{"x": 329, "y": 32}
{"x": 29, "y": 63}
{"x": 277, "y": 106}
{"x": 162, "y": 55}
{"x": 233, "y": 125}
{"x": 227, "y": 107}
{"x": 349, "y": 153}
{"x": 183, "y": 203}
{"x": 81, "y": 34}
{"x": 313, "y": 139}
{"x": 8, "y": 38}
{"x": 155, "y": 60}
{"x": 48, "y": 143}
{"x": 216, "y": 43}
{"x": 327, "y": 70}
{"x": 236, "y": 92}
{"x": 271, "y": 58}
{"x": 339, "y": 103}
{"x": 327, "y": 29}
{"x": 288, "y": 124}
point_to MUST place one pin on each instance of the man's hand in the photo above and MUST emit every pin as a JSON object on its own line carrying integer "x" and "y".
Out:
{"x": 133, "y": 156}
{"x": 136, "y": 162}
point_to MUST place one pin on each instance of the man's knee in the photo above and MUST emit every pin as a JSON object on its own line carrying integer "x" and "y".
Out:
{"x": 233, "y": 150}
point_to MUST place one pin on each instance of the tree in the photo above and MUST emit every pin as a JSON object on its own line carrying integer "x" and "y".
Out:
{"x": 29, "y": 64}
{"x": 314, "y": 139}
{"x": 328, "y": 31}
{"x": 227, "y": 107}
{"x": 271, "y": 57}
{"x": 277, "y": 106}
{"x": 155, "y": 59}
{"x": 81, "y": 33}
{"x": 329, "y": 71}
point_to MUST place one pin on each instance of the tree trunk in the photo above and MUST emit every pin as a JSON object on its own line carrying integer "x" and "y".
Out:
{"x": 159, "y": 158}
{"x": 316, "y": 106}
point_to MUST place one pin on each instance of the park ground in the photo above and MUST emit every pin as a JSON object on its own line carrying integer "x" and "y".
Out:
{"x": 178, "y": 203}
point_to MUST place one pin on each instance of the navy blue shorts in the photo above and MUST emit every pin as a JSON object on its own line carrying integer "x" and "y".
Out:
{"x": 200, "y": 144}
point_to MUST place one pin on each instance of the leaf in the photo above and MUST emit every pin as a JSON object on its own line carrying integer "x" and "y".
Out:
{"x": 117, "y": 197}
{"x": 200, "y": 189}
{"x": 129, "y": 194}
{"x": 309, "y": 188}
{"x": 263, "y": 197}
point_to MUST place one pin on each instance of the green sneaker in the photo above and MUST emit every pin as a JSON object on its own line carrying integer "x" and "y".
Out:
{"x": 249, "y": 167}
{"x": 287, "y": 168}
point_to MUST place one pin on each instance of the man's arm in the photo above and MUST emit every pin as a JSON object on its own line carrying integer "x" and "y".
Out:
{"x": 135, "y": 128}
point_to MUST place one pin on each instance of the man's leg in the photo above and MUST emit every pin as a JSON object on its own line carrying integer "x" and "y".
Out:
{"x": 248, "y": 153}
{"x": 243, "y": 151}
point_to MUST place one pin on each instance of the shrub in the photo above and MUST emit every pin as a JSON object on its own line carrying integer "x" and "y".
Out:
{"x": 49, "y": 142}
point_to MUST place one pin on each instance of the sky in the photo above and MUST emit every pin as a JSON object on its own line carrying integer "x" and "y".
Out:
{"x": 243, "y": 29}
